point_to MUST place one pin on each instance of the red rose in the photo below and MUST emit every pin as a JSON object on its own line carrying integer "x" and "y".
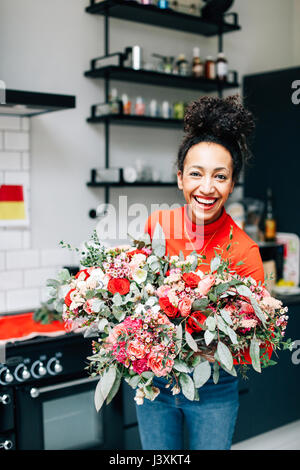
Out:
{"x": 193, "y": 327}
{"x": 68, "y": 300}
{"x": 191, "y": 279}
{"x": 167, "y": 307}
{"x": 85, "y": 271}
{"x": 122, "y": 286}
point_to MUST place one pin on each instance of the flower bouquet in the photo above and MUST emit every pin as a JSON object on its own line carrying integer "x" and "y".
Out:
{"x": 174, "y": 317}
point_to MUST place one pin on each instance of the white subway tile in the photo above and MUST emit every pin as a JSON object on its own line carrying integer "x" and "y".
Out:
{"x": 25, "y": 124}
{"x": 38, "y": 277}
{"x": 26, "y": 239}
{"x": 11, "y": 239}
{"x": 22, "y": 299}
{"x": 56, "y": 257}
{"x": 22, "y": 259}
{"x": 25, "y": 161}
{"x": 1, "y": 177}
{"x": 11, "y": 280}
{"x": 2, "y": 261}
{"x": 16, "y": 140}
{"x": 10, "y": 161}
{"x": 10, "y": 123}
{"x": 2, "y": 302}
{"x": 17, "y": 177}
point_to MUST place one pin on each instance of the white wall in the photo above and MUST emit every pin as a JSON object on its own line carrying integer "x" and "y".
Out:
{"x": 46, "y": 46}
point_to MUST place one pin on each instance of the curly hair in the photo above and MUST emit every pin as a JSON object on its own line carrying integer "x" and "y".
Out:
{"x": 222, "y": 121}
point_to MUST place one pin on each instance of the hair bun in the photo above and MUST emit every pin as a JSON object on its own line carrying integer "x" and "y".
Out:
{"x": 220, "y": 117}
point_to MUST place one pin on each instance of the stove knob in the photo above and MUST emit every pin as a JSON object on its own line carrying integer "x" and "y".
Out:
{"x": 5, "y": 399}
{"x": 6, "y": 445}
{"x": 21, "y": 373}
{"x": 58, "y": 367}
{"x": 54, "y": 366}
{"x": 8, "y": 377}
{"x": 42, "y": 370}
{"x": 25, "y": 373}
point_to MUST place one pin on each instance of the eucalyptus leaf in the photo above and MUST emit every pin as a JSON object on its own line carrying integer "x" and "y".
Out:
{"x": 216, "y": 372}
{"x": 64, "y": 275}
{"x": 232, "y": 335}
{"x": 211, "y": 323}
{"x": 114, "y": 389}
{"x": 225, "y": 355}
{"x": 254, "y": 354}
{"x": 104, "y": 386}
{"x": 187, "y": 386}
{"x": 181, "y": 366}
{"x": 117, "y": 299}
{"x": 215, "y": 263}
{"x": 202, "y": 373}
{"x": 179, "y": 336}
{"x": 199, "y": 304}
{"x": 226, "y": 316}
{"x": 209, "y": 337}
{"x": 102, "y": 324}
{"x": 191, "y": 342}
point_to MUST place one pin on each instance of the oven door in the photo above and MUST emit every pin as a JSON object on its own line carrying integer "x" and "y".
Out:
{"x": 62, "y": 416}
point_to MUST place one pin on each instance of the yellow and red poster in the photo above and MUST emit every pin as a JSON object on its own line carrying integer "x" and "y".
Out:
{"x": 12, "y": 206}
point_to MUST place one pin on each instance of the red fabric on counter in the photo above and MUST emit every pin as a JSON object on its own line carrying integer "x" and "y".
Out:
{"x": 22, "y": 326}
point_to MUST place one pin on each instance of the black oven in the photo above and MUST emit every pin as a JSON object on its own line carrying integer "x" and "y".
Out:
{"x": 47, "y": 398}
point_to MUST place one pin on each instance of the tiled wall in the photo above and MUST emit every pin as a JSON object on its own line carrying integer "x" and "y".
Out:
{"x": 23, "y": 269}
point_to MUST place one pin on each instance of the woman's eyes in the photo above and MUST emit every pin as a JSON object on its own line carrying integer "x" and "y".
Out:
{"x": 221, "y": 177}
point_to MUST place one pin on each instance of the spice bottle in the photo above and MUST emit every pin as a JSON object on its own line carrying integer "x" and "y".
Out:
{"x": 221, "y": 66}
{"x": 210, "y": 68}
{"x": 139, "y": 106}
{"x": 197, "y": 67}
{"x": 114, "y": 102}
{"x": 126, "y": 104}
{"x": 270, "y": 221}
{"x": 182, "y": 65}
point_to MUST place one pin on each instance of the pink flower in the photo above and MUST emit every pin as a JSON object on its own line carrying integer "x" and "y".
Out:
{"x": 136, "y": 348}
{"x": 116, "y": 332}
{"x": 162, "y": 291}
{"x": 184, "y": 306}
{"x": 155, "y": 362}
{"x": 140, "y": 365}
{"x": 206, "y": 283}
{"x": 133, "y": 325}
{"x": 119, "y": 351}
{"x": 246, "y": 308}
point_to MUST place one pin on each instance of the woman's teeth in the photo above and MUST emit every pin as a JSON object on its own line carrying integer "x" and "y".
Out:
{"x": 205, "y": 201}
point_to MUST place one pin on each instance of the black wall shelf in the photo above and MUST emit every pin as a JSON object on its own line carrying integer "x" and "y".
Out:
{"x": 141, "y": 121}
{"x": 165, "y": 18}
{"x": 150, "y": 77}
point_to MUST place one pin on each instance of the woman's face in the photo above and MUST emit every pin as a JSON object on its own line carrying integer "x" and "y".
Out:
{"x": 206, "y": 181}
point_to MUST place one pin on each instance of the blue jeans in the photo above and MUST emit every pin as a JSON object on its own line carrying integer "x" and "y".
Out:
{"x": 210, "y": 421}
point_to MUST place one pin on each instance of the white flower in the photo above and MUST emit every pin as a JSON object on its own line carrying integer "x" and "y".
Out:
{"x": 139, "y": 309}
{"x": 174, "y": 258}
{"x": 139, "y": 275}
{"x": 139, "y": 396}
{"x": 138, "y": 258}
{"x": 151, "y": 301}
{"x": 149, "y": 288}
{"x": 155, "y": 308}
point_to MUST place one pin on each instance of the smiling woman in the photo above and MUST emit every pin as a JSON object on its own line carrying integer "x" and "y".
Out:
{"x": 209, "y": 162}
